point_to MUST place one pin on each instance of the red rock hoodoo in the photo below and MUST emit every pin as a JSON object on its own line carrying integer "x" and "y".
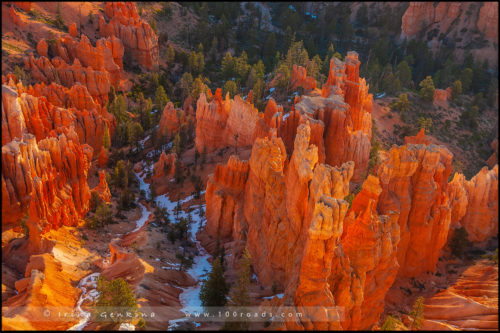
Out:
{"x": 137, "y": 36}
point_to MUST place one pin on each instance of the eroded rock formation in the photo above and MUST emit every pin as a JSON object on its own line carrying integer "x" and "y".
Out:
{"x": 297, "y": 206}
{"x": 41, "y": 110}
{"x": 48, "y": 179}
{"x": 163, "y": 170}
{"x": 222, "y": 123}
{"x": 137, "y": 36}
{"x": 413, "y": 178}
{"x": 102, "y": 189}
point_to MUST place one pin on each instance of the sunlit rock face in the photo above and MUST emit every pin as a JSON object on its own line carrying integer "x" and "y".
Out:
{"x": 224, "y": 122}
{"x": 339, "y": 117}
{"x": 137, "y": 36}
{"x": 46, "y": 285}
{"x": 162, "y": 172}
{"x": 42, "y": 109}
{"x": 48, "y": 179}
{"x": 413, "y": 178}
{"x": 292, "y": 214}
{"x": 481, "y": 217}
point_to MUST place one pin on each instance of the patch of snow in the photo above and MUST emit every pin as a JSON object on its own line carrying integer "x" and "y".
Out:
{"x": 289, "y": 100}
{"x": 286, "y": 115}
{"x": 126, "y": 327}
{"x": 143, "y": 141}
{"x": 269, "y": 96}
{"x": 280, "y": 296}
{"x": 272, "y": 89}
{"x": 292, "y": 8}
{"x": 87, "y": 285}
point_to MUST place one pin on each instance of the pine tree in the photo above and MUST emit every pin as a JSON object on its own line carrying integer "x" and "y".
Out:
{"x": 170, "y": 55}
{"x": 214, "y": 290}
{"x": 456, "y": 89}
{"x": 114, "y": 294}
{"x": 230, "y": 86}
{"x": 106, "y": 141}
{"x": 239, "y": 294}
{"x": 427, "y": 91}
{"x": 161, "y": 98}
{"x": 417, "y": 314}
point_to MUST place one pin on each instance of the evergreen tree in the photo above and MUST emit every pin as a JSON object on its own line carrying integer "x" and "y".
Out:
{"x": 170, "y": 55}
{"x": 456, "y": 89}
{"x": 161, "y": 98}
{"x": 179, "y": 173}
{"x": 185, "y": 85}
{"x": 152, "y": 24}
{"x": 427, "y": 91}
{"x": 230, "y": 86}
{"x": 214, "y": 290}
{"x": 403, "y": 72}
{"x": 466, "y": 79}
{"x": 417, "y": 314}
{"x": 239, "y": 294}
{"x": 106, "y": 141}
{"x": 198, "y": 87}
{"x": 113, "y": 294}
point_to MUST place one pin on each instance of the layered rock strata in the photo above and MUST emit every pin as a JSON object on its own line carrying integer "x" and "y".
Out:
{"x": 296, "y": 206}
{"x": 137, "y": 36}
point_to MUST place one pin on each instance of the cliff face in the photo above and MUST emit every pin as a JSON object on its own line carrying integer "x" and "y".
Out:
{"x": 44, "y": 279}
{"x": 481, "y": 218}
{"x": 48, "y": 178}
{"x": 137, "y": 36}
{"x": 57, "y": 70}
{"x": 439, "y": 22}
{"x": 162, "y": 172}
{"x": 221, "y": 123}
{"x": 296, "y": 207}
{"x": 414, "y": 182}
{"x": 41, "y": 110}
{"x": 339, "y": 119}
{"x": 107, "y": 55}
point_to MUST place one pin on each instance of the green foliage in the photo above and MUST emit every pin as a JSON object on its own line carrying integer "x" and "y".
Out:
{"x": 23, "y": 76}
{"x": 403, "y": 72}
{"x": 402, "y": 104}
{"x": 198, "y": 87}
{"x": 231, "y": 88}
{"x": 179, "y": 172}
{"x": 152, "y": 24}
{"x": 118, "y": 107}
{"x": 423, "y": 122}
{"x": 134, "y": 132}
{"x": 170, "y": 55}
{"x": 456, "y": 89}
{"x": 427, "y": 91}
{"x": 258, "y": 94}
{"x": 466, "y": 79}
{"x": 161, "y": 98}
{"x": 186, "y": 263}
{"x": 239, "y": 293}
{"x": 417, "y": 314}
{"x": 185, "y": 85}
{"x": 459, "y": 242}
{"x": 468, "y": 118}
{"x": 95, "y": 201}
{"x": 196, "y": 62}
{"x": 106, "y": 140}
{"x": 391, "y": 323}
{"x": 214, "y": 290}
{"x": 24, "y": 224}
{"x": 103, "y": 216}
{"x": 349, "y": 198}
{"x": 114, "y": 296}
